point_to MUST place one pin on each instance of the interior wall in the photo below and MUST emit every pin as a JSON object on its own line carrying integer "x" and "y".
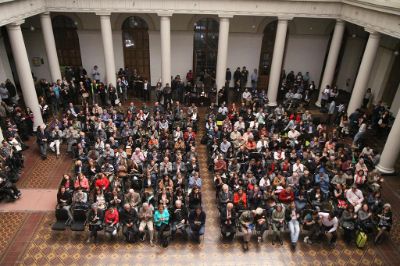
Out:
{"x": 244, "y": 50}
{"x": 380, "y": 73}
{"x": 34, "y": 43}
{"x": 306, "y": 53}
{"x": 5, "y": 69}
{"x": 92, "y": 52}
{"x": 351, "y": 60}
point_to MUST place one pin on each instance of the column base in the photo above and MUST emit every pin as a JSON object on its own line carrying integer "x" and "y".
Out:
{"x": 384, "y": 170}
{"x": 272, "y": 104}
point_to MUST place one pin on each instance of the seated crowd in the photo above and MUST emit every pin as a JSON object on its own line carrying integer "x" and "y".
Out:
{"x": 135, "y": 169}
{"x": 275, "y": 170}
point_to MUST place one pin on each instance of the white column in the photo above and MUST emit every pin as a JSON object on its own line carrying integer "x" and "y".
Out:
{"x": 24, "y": 71}
{"x": 277, "y": 58}
{"x": 106, "y": 34}
{"x": 364, "y": 72}
{"x": 1, "y": 134}
{"x": 222, "y": 51}
{"x": 391, "y": 150}
{"x": 331, "y": 61}
{"x": 165, "y": 32}
{"x": 50, "y": 45}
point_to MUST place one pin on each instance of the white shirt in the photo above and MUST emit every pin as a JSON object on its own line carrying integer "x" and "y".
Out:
{"x": 328, "y": 223}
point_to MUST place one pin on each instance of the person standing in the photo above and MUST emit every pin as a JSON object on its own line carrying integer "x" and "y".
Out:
{"x": 146, "y": 90}
{"x": 243, "y": 78}
{"x": 167, "y": 92}
{"x": 96, "y": 73}
{"x": 42, "y": 138}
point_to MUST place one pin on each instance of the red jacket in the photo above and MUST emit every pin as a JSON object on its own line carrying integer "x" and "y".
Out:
{"x": 237, "y": 198}
{"x": 102, "y": 183}
{"x": 286, "y": 197}
{"x": 111, "y": 217}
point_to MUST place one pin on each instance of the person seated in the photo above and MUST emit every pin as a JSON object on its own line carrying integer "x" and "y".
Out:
{"x": 292, "y": 219}
{"x": 111, "y": 221}
{"x": 228, "y": 221}
{"x": 195, "y": 180}
{"x": 179, "y": 218}
{"x": 348, "y": 222}
{"x": 9, "y": 189}
{"x": 194, "y": 198}
{"x": 322, "y": 180}
{"x": 224, "y": 196}
{"x": 355, "y": 197}
{"x": 260, "y": 222}
{"x": 360, "y": 178}
{"x": 220, "y": 165}
{"x": 161, "y": 221}
{"x": 129, "y": 221}
{"x": 240, "y": 200}
{"x": 133, "y": 198}
{"x": 286, "y": 196}
{"x": 82, "y": 182}
{"x": 278, "y": 223}
{"x": 64, "y": 201}
{"x": 329, "y": 223}
{"x": 95, "y": 221}
{"x": 102, "y": 182}
{"x": 246, "y": 221}
{"x": 67, "y": 183}
{"x": 339, "y": 178}
{"x": 364, "y": 219}
{"x": 80, "y": 199}
{"x": 196, "y": 220}
{"x": 385, "y": 222}
{"x": 146, "y": 221}
{"x": 312, "y": 224}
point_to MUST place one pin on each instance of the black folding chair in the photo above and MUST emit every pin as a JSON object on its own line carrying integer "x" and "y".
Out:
{"x": 61, "y": 220}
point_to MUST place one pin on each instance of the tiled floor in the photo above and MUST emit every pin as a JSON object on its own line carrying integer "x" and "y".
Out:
{"x": 26, "y": 237}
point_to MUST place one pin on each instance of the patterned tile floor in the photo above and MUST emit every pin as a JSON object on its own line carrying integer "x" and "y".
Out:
{"x": 26, "y": 238}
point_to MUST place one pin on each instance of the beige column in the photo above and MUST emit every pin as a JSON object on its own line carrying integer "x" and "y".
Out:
{"x": 331, "y": 61}
{"x": 106, "y": 34}
{"x": 391, "y": 150}
{"x": 222, "y": 51}
{"x": 277, "y": 58}
{"x": 165, "y": 32}
{"x": 24, "y": 71}
{"x": 364, "y": 72}
{"x": 50, "y": 45}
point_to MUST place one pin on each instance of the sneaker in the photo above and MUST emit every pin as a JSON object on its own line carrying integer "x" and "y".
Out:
{"x": 88, "y": 241}
{"x": 259, "y": 239}
{"x": 306, "y": 239}
{"x": 151, "y": 243}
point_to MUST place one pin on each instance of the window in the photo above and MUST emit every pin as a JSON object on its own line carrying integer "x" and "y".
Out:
{"x": 205, "y": 48}
{"x": 267, "y": 50}
{"x": 67, "y": 41}
{"x": 135, "y": 39}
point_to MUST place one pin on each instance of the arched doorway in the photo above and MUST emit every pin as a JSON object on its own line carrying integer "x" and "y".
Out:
{"x": 205, "y": 47}
{"x": 135, "y": 39}
{"x": 267, "y": 50}
{"x": 67, "y": 41}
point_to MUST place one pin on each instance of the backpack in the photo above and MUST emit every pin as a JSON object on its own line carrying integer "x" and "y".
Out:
{"x": 361, "y": 239}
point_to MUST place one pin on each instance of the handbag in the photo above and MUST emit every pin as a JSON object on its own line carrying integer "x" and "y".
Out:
{"x": 110, "y": 229}
{"x": 348, "y": 225}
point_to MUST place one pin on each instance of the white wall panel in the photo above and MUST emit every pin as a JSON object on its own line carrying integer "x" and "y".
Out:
{"x": 5, "y": 69}
{"x": 351, "y": 60}
{"x": 306, "y": 53}
{"x": 35, "y": 47}
{"x": 380, "y": 73}
{"x": 244, "y": 50}
{"x": 181, "y": 53}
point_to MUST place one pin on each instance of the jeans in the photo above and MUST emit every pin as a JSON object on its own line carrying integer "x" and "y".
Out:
{"x": 294, "y": 229}
{"x": 195, "y": 234}
{"x": 43, "y": 149}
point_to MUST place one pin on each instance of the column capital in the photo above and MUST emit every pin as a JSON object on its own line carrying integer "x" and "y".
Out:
{"x": 225, "y": 15}
{"x": 102, "y": 14}
{"x": 340, "y": 21}
{"x": 16, "y": 25}
{"x": 284, "y": 18}
{"x": 45, "y": 14}
{"x": 372, "y": 33}
{"x": 165, "y": 14}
